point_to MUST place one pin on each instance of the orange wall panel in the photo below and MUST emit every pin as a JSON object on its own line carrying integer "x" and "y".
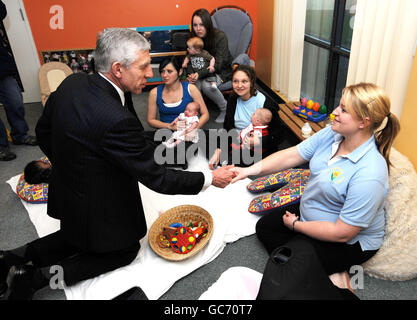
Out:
{"x": 84, "y": 18}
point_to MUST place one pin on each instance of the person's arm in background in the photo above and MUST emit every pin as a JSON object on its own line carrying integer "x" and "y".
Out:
{"x": 229, "y": 120}
{"x": 211, "y": 67}
{"x": 222, "y": 53}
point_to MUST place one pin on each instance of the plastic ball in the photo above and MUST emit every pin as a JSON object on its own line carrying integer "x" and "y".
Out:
{"x": 310, "y": 104}
{"x": 316, "y": 106}
{"x": 174, "y": 240}
{"x": 323, "y": 109}
{"x": 304, "y": 102}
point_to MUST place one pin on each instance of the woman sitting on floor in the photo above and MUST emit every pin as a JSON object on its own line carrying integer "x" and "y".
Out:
{"x": 240, "y": 108}
{"x": 172, "y": 97}
{"x": 342, "y": 209}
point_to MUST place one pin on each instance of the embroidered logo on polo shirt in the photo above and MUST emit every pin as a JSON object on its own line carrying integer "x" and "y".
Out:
{"x": 337, "y": 175}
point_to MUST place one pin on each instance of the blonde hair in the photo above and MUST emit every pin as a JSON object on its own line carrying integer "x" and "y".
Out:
{"x": 196, "y": 43}
{"x": 265, "y": 115}
{"x": 367, "y": 100}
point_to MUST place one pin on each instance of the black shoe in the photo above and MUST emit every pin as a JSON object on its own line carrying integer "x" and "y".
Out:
{"x": 6, "y": 154}
{"x": 4, "y": 270}
{"x": 28, "y": 140}
{"x": 134, "y": 293}
{"x": 19, "y": 282}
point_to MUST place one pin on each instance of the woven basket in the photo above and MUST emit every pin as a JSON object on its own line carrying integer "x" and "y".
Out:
{"x": 181, "y": 214}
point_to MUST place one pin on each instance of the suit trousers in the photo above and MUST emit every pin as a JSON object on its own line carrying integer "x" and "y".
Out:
{"x": 335, "y": 257}
{"x": 77, "y": 265}
{"x": 12, "y": 100}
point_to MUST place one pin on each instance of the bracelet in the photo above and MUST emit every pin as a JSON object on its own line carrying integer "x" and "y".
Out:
{"x": 293, "y": 224}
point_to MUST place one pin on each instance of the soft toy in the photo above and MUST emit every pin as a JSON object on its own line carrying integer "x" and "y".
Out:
{"x": 34, "y": 193}
{"x": 290, "y": 184}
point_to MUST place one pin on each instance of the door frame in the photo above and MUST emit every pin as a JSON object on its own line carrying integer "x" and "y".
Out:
{"x": 27, "y": 60}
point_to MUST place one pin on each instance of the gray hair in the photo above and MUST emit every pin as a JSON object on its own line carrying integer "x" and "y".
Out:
{"x": 118, "y": 44}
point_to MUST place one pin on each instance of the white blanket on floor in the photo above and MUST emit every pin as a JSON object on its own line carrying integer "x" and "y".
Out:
{"x": 228, "y": 207}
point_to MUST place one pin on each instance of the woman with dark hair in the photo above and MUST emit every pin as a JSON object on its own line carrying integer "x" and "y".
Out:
{"x": 171, "y": 98}
{"x": 216, "y": 43}
{"x": 241, "y": 106}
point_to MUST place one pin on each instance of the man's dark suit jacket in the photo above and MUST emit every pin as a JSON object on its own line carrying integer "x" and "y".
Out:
{"x": 98, "y": 154}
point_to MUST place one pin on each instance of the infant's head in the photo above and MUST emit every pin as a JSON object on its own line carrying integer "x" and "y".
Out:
{"x": 192, "y": 109}
{"x": 195, "y": 45}
{"x": 261, "y": 117}
{"x": 37, "y": 172}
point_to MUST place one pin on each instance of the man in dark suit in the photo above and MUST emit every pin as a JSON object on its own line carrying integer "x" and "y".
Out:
{"x": 99, "y": 152}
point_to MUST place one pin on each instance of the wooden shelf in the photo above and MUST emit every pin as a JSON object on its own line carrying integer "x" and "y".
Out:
{"x": 294, "y": 122}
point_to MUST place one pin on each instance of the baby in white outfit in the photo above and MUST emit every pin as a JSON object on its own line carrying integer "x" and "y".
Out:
{"x": 186, "y": 123}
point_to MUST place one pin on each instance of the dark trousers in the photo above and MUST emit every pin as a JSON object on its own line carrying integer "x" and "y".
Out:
{"x": 334, "y": 256}
{"x": 12, "y": 100}
{"x": 77, "y": 265}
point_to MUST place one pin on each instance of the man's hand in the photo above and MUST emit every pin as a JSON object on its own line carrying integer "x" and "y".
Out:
{"x": 222, "y": 176}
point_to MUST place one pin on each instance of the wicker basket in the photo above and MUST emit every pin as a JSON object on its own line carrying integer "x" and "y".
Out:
{"x": 182, "y": 214}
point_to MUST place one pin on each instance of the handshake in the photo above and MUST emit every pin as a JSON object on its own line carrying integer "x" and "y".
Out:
{"x": 222, "y": 176}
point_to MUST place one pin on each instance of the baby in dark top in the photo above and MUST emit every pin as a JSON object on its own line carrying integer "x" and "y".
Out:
{"x": 199, "y": 59}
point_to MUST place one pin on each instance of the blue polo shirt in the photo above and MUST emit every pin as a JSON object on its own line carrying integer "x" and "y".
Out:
{"x": 351, "y": 187}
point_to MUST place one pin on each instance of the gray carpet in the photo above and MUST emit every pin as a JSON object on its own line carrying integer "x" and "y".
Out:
{"x": 16, "y": 230}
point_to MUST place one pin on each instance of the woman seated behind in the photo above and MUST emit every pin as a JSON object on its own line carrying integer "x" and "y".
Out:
{"x": 342, "y": 209}
{"x": 172, "y": 97}
{"x": 216, "y": 43}
{"x": 246, "y": 99}
{"x": 255, "y": 138}
{"x": 186, "y": 123}
{"x": 240, "y": 108}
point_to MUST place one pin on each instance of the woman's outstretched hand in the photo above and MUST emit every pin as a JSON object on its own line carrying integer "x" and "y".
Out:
{"x": 240, "y": 173}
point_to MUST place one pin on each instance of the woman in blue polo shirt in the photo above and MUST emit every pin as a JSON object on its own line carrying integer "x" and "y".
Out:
{"x": 342, "y": 208}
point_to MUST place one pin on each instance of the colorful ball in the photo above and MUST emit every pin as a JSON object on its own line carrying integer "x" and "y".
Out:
{"x": 310, "y": 104}
{"x": 316, "y": 106}
{"x": 323, "y": 109}
{"x": 304, "y": 102}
